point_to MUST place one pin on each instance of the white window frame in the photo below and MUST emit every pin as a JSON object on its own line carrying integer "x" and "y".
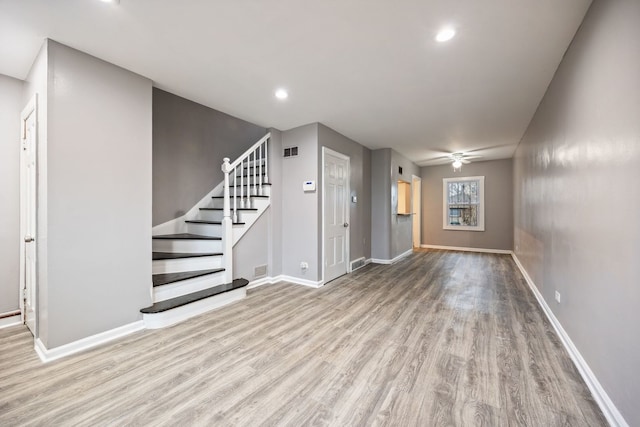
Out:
{"x": 445, "y": 204}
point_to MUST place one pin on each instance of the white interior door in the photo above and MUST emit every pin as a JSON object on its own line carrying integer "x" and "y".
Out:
{"x": 28, "y": 215}
{"x": 416, "y": 210}
{"x": 335, "y": 183}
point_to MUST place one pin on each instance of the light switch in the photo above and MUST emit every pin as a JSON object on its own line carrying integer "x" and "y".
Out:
{"x": 308, "y": 186}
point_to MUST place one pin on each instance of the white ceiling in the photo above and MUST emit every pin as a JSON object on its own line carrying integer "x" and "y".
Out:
{"x": 369, "y": 69}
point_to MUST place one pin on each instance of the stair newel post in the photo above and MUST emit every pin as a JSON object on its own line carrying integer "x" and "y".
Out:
{"x": 266, "y": 161}
{"x": 227, "y": 225}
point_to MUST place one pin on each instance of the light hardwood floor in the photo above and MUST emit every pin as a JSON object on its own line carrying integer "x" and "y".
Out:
{"x": 438, "y": 339}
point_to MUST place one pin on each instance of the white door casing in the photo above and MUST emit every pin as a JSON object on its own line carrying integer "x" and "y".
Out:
{"x": 335, "y": 216}
{"x": 416, "y": 209}
{"x": 28, "y": 176}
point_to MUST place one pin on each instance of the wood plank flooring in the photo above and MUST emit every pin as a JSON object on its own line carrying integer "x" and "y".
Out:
{"x": 438, "y": 339}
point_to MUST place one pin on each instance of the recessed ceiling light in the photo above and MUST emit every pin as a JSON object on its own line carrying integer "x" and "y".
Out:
{"x": 282, "y": 94}
{"x": 111, "y": 1}
{"x": 445, "y": 34}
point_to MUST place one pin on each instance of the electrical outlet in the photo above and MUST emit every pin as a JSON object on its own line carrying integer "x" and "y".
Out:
{"x": 558, "y": 297}
{"x": 304, "y": 265}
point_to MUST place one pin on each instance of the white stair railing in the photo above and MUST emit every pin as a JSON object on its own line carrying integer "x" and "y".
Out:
{"x": 259, "y": 153}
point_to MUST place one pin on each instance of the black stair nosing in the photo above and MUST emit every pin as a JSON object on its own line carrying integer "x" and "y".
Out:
{"x": 204, "y": 221}
{"x": 221, "y": 209}
{"x": 183, "y": 300}
{"x": 184, "y": 236}
{"x": 168, "y": 278}
{"x": 222, "y": 197}
{"x": 159, "y": 256}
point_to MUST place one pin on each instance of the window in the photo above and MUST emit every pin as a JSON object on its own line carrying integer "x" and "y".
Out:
{"x": 463, "y": 203}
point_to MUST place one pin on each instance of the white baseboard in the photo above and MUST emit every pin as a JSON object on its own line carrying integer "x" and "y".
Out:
{"x": 10, "y": 319}
{"x": 260, "y": 282}
{"x": 611, "y": 413}
{"x": 391, "y": 261}
{"x": 284, "y": 278}
{"x": 464, "y": 249}
{"x": 48, "y": 355}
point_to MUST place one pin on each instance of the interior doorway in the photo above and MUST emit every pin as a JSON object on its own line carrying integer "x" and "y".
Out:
{"x": 416, "y": 210}
{"x": 28, "y": 176}
{"x": 335, "y": 214}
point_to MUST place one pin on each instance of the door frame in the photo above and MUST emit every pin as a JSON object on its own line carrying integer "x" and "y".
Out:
{"x": 417, "y": 212}
{"x": 347, "y": 195}
{"x": 29, "y": 109}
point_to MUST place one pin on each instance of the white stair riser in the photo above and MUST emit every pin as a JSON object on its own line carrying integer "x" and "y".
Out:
{"x": 179, "y": 314}
{"x": 243, "y": 216}
{"x": 161, "y": 266}
{"x": 214, "y": 230}
{"x": 253, "y": 203}
{"x": 210, "y": 215}
{"x": 183, "y": 287}
{"x": 187, "y": 246}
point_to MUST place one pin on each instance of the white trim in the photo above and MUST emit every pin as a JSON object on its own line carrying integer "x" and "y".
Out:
{"x": 260, "y": 282}
{"x": 188, "y": 286}
{"x": 611, "y": 413}
{"x": 284, "y": 278}
{"x": 347, "y": 195}
{"x": 445, "y": 205}
{"x": 391, "y": 261}
{"x": 179, "y": 314}
{"x": 298, "y": 281}
{"x": 48, "y": 355}
{"x": 459, "y": 248}
{"x": 12, "y": 320}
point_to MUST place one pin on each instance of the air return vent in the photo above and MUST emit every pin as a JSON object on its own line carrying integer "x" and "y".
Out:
{"x": 290, "y": 151}
{"x": 260, "y": 271}
{"x": 360, "y": 262}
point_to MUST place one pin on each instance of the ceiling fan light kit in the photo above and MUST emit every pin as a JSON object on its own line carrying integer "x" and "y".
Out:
{"x": 457, "y": 161}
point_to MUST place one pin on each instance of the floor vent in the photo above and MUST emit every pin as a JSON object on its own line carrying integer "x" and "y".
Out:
{"x": 360, "y": 262}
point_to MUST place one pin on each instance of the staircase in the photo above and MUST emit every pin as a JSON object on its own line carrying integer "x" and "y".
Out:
{"x": 193, "y": 255}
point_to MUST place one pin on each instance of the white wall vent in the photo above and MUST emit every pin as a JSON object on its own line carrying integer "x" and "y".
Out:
{"x": 260, "y": 271}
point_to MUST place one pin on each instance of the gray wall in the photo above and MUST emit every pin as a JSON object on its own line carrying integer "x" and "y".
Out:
{"x": 381, "y": 203}
{"x": 577, "y": 202}
{"x": 99, "y": 196}
{"x": 498, "y": 185}
{"x": 299, "y": 209}
{"x": 390, "y": 233}
{"x": 275, "y": 254}
{"x": 252, "y": 250}
{"x": 10, "y": 108}
{"x": 189, "y": 143}
{"x": 360, "y": 169}
{"x": 401, "y": 225}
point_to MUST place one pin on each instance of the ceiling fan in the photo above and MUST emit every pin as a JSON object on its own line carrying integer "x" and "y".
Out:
{"x": 457, "y": 159}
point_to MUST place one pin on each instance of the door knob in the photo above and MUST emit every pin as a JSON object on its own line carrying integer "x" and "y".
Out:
{"x": 28, "y": 239}
{"x": 346, "y": 224}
